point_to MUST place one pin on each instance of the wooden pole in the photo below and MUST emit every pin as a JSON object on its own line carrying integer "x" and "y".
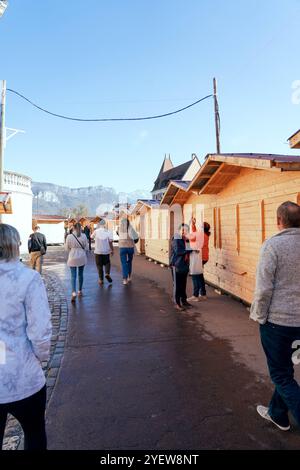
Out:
{"x": 217, "y": 118}
{"x": 2, "y": 136}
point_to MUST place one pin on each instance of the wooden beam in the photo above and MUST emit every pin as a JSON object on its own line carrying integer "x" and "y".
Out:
{"x": 219, "y": 229}
{"x": 262, "y": 220}
{"x": 237, "y": 228}
{"x": 212, "y": 178}
{"x": 215, "y": 226}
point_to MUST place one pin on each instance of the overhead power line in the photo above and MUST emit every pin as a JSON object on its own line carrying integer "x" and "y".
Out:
{"x": 142, "y": 118}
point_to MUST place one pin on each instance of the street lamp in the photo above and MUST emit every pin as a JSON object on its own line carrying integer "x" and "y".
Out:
{"x": 3, "y": 6}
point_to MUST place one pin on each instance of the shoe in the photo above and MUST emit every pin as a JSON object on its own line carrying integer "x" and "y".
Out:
{"x": 129, "y": 279}
{"x": 108, "y": 278}
{"x": 73, "y": 298}
{"x": 125, "y": 282}
{"x": 202, "y": 297}
{"x": 100, "y": 282}
{"x": 186, "y": 305}
{"x": 263, "y": 411}
{"x": 179, "y": 307}
{"x": 79, "y": 293}
{"x": 193, "y": 299}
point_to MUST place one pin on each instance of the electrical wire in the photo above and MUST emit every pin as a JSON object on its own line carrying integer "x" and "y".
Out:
{"x": 61, "y": 116}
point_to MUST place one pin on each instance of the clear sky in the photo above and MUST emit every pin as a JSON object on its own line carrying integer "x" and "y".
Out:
{"x": 97, "y": 58}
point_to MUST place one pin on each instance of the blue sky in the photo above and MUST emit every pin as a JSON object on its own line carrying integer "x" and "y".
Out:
{"x": 97, "y": 58}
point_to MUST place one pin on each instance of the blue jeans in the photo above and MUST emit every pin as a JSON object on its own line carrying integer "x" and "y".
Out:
{"x": 74, "y": 276}
{"x": 277, "y": 343}
{"x": 126, "y": 255}
{"x": 198, "y": 285}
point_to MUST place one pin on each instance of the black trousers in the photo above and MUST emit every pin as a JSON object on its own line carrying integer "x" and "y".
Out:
{"x": 101, "y": 262}
{"x": 179, "y": 284}
{"x": 30, "y": 413}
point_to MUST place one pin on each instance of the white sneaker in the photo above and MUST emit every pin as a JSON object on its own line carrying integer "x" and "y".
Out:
{"x": 125, "y": 282}
{"x": 129, "y": 279}
{"x": 193, "y": 299}
{"x": 263, "y": 411}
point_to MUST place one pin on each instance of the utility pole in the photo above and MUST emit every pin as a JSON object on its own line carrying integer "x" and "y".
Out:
{"x": 217, "y": 118}
{"x": 2, "y": 135}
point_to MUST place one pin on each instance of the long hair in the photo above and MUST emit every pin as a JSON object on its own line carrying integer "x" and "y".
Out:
{"x": 78, "y": 229}
{"x": 9, "y": 243}
{"x": 206, "y": 228}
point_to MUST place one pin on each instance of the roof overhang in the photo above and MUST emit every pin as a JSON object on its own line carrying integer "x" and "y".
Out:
{"x": 294, "y": 140}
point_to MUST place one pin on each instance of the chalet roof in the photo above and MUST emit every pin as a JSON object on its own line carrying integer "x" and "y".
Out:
{"x": 219, "y": 169}
{"x": 294, "y": 134}
{"x": 176, "y": 173}
{"x": 294, "y": 140}
{"x": 149, "y": 203}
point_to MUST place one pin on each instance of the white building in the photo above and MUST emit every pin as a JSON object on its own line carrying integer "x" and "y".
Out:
{"x": 21, "y": 196}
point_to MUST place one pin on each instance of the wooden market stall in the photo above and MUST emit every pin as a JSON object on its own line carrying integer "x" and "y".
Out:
{"x": 238, "y": 195}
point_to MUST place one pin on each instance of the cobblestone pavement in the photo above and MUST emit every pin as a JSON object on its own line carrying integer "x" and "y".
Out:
{"x": 13, "y": 438}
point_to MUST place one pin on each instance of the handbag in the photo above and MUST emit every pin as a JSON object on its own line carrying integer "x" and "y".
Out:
{"x": 196, "y": 263}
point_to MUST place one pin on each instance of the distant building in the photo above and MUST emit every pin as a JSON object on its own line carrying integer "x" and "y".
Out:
{"x": 168, "y": 172}
{"x": 19, "y": 186}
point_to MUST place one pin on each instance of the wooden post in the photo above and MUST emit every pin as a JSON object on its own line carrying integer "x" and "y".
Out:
{"x": 2, "y": 135}
{"x": 237, "y": 228}
{"x": 217, "y": 118}
{"x": 219, "y": 229}
{"x": 262, "y": 220}
{"x": 215, "y": 226}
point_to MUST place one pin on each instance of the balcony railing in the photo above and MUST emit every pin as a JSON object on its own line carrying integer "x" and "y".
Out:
{"x": 15, "y": 179}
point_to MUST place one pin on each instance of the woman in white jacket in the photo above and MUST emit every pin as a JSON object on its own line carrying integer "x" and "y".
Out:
{"x": 77, "y": 245}
{"x": 25, "y": 334}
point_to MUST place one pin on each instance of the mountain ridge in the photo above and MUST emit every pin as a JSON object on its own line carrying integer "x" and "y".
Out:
{"x": 54, "y": 199}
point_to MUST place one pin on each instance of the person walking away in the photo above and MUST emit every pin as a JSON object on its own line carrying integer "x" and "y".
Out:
{"x": 77, "y": 245}
{"x": 196, "y": 267}
{"x": 87, "y": 232}
{"x": 276, "y": 307}
{"x": 37, "y": 247}
{"x": 179, "y": 263}
{"x": 127, "y": 240}
{"x": 25, "y": 335}
{"x": 103, "y": 249}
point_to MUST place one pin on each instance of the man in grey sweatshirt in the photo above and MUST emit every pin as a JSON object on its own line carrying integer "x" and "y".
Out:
{"x": 276, "y": 306}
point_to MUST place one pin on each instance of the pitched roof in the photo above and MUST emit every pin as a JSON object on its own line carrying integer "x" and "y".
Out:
{"x": 176, "y": 173}
{"x": 219, "y": 169}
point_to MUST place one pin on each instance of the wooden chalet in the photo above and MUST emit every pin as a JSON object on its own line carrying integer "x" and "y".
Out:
{"x": 238, "y": 195}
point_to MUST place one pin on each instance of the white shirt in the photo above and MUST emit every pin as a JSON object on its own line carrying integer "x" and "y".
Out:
{"x": 77, "y": 250}
{"x": 102, "y": 238}
{"x": 25, "y": 331}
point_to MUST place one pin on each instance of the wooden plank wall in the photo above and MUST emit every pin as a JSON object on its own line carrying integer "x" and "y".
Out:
{"x": 242, "y": 216}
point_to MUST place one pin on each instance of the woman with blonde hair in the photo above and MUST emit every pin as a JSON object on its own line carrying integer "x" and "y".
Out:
{"x": 77, "y": 246}
{"x": 25, "y": 334}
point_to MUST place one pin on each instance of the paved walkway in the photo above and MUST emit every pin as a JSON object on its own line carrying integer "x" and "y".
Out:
{"x": 138, "y": 375}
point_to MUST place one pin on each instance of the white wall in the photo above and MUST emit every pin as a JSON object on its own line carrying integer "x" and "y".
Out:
{"x": 20, "y": 188}
{"x": 54, "y": 233}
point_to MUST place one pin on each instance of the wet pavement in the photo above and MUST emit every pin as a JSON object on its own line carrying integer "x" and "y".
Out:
{"x": 136, "y": 374}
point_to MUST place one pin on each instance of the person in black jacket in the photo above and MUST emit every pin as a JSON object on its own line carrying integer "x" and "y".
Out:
{"x": 37, "y": 247}
{"x": 87, "y": 232}
{"x": 179, "y": 262}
